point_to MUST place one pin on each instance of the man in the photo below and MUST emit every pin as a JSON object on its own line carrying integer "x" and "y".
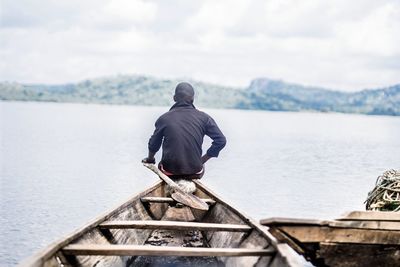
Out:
{"x": 181, "y": 131}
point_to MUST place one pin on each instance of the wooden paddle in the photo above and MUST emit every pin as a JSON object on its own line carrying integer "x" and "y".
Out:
{"x": 180, "y": 196}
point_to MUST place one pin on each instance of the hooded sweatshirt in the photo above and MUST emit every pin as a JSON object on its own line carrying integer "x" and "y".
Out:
{"x": 181, "y": 132}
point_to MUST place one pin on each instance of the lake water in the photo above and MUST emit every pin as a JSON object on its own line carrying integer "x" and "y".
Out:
{"x": 63, "y": 164}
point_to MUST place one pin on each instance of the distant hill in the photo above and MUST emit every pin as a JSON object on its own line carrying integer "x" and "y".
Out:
{"x": 263, "y": 94}
{"x": 277, "y": 95}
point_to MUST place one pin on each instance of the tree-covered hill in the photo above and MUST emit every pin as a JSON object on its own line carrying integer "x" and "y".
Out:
{"x": 261, "y": 94}
{"x": 129, "y": 90}
{"x": 277, "y": 95}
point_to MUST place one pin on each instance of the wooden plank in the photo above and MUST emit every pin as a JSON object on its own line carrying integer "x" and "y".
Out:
{"x": 292, "y": 259}
{"x": 38, "y": 259}
{"x": 371, "y": 216}
{"x": 253, "y": 223}
{"x": 289, "y": 221}
{"x": 176, "y": 238}
{"x": 170, "y": 200}
{"x": 179, "y": 195}
{"x": 281, "y": 255}
{"x": 373, "y": 225}
{"x": 253, "y": 240}
{"x": 307, "y": 234}
{"x": 350, "y": 255}
{"x": 135, "y": 250}
{"x": 353, "y": 224}
{"x": 175, "y": 225}
{"x": 285, "y": 239}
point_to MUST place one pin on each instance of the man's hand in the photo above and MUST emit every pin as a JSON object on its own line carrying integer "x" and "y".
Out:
{"x": 149, "y": 160}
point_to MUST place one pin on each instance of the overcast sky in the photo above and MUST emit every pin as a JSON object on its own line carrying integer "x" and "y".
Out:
{"x": 340, "y": 44}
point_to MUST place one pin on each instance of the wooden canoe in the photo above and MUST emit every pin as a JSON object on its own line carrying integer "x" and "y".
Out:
{"x": 150, "y": 229}
{"x": 359, "y": 238}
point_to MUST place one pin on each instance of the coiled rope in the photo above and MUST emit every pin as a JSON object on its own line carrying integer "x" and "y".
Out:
{"x": 386, "y": 194}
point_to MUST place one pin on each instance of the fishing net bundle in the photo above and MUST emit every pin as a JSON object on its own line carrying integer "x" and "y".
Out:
{"x": 386, "y": 194}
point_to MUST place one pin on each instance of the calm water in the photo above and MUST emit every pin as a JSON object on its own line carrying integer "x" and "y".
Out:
{"x": 63, "y": 164}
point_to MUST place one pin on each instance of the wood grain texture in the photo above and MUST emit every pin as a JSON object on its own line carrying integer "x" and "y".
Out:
{"x": 40, "y": 258}
{"x": 338, "y": 235}
{"x": 371, "y": 216}
{"x": 179, "y": 195}
{"x": 345, "y": 255}
{"x": 170, "y": 200}
{"x": 134, "y": 250}
{"x": 353, "y": 224}
{"x": 175, "y": 225}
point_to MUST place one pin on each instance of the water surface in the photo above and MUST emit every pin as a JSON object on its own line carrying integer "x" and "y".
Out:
{"x": 64, "y": 164}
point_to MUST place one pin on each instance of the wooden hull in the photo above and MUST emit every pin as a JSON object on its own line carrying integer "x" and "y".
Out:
{"x": 150, "y": 230}
{"x": 358, "y": 239}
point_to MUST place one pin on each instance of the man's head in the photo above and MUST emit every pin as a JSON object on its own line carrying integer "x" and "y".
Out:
{"x": 184, "y": 92}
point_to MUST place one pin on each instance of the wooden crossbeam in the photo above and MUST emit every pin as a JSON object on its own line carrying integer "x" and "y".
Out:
{"x": 170, "y": 200}
{"x": 371, "y": 216}
{"x": 175, "y": 225}
{"x": 349, "y": 224}
{"x": 136, "y": 250}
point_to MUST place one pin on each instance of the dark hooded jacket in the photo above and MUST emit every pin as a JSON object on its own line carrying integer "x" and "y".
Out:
{"x": 181, "y": 131}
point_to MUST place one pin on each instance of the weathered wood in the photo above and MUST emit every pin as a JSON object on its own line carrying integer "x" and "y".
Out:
{"x": 53, "y": 262}
{"x": 366, "y": 225}
{"x": 223, "y": 239}
{"x": 239, "y": 214}
{"x": 134, "y": 250}
{"x": 199, "y": 214}
{"x": 175, "y": 225}
{"x": 187, "y": 199}
{"x": 183, "y": 214}
{"x": 306, "y": 234}
{"x": 324, "y": 251}
{"x": 283, "y": 257}
{"x": 349, "y": 255}
{"x": 171, "y": 238}
{"x": 175, "y": 237}
{"x": 156, "y": 210}
{"x": 137, "y": 210}
{"x": 289, "y": 221}
{"x": 359, "y": 239}
{"x": 252, "y": 241}
{"x": 371, "y": 216}
{"x": 38, "y": 259}
{"x": 170, "y": 200}
{"x": 291, "y": 259}
{"x": 284, "y": 238}
{"x": 353, "y": 224}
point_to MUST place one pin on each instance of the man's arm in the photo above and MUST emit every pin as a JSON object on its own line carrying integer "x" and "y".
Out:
{"x": 218, "y": 143}
{"x": 155, "y": 142}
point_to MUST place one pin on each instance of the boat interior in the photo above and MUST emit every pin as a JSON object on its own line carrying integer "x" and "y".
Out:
{"x": 151, "y": 229}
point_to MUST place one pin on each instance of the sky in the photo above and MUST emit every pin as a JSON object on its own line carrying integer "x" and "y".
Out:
{"x": 337, "y": 44}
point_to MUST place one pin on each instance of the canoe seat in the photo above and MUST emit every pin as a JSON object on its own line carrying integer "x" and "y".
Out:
{"x": 209, "y": 201}
{"x": 145, "y": 250}
{"x": 175, "y": 225}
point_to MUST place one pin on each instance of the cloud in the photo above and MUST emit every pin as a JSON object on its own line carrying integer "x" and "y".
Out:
{"x": 337, "y": 44}
{"x": 378, "y": 33}
{"x": 130, "y": 10}
{"x": 48, "y": 13}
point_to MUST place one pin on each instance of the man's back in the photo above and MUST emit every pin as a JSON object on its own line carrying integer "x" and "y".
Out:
{"x": 183, "y": 129}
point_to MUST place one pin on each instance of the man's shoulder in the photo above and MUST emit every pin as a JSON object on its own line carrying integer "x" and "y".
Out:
{"x": 170, "y": 114}
{"x": 202, "y": 113}
{"x": 164, "y": 116}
